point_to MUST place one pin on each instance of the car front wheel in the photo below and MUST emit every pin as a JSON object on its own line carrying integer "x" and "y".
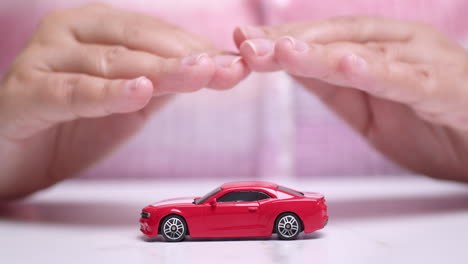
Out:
{"x": 288, "y": 226}
{"x": 173, "y": 228}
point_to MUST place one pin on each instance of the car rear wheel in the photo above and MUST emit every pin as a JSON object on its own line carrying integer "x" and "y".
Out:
{"x": 288, "y": 226}
{"x": 173, "y": 228}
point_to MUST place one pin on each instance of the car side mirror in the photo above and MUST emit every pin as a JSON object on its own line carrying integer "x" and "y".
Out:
{"x": 213, "y": 202}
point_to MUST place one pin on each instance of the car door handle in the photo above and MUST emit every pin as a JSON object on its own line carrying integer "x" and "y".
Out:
{"x": 252, "y": 208}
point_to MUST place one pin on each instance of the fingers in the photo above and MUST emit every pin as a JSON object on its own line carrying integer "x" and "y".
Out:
{"x": 354, "y": 66}
{"x": 377, "y": 59}
{"x": 28, "y": 107}
{"x": 351, "y": 29}
{"x": 117, "y": 44}
{"x": 244, "y": 33}
{"x": 259, "y": 55}
{"x": 382, "y": 35}
{"x": 101, "y": 24}
{"x": 262, "y": 58}
{"x": 365, "y": 30}
{"x": 343, "y": 64}
{"x": 358, "y": 29}
{"x": 116, "y": 62}
{"x": 230, "y": 70}
{"x": 194, "y": 73}
{"x": 65, "y": 96}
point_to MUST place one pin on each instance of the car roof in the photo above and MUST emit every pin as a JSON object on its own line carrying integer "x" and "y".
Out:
{"x": 246, "y": 184}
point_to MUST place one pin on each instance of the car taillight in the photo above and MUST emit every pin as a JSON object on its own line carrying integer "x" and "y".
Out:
{"x": 321, "y": 202}
{"x": 145, "y": 215}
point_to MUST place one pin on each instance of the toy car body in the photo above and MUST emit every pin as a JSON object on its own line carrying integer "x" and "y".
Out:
{"x": 239, "y": 209}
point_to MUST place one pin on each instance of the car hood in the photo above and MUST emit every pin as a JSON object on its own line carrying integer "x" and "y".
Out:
{"x": 175, "y": 201}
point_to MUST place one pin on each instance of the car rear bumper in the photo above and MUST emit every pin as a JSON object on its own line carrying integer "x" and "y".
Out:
{"x": 316, "y": 221}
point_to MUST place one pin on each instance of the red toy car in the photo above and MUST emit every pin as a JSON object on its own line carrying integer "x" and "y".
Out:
{"x": 239, "y": 209}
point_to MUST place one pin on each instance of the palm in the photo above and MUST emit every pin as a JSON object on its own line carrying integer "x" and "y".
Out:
{"x": 395, "y": 129}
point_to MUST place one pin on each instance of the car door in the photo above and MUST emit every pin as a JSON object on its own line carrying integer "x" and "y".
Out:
{"x": 235, "y": 214}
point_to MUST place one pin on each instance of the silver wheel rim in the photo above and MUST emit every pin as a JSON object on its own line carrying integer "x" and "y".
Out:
{"x": 174, "y": 228}
{"x": 288, "y": 226}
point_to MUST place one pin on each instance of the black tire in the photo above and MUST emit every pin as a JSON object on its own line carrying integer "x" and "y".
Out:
{"x": 173, "y": 228}
{"x": 288, "y": 226}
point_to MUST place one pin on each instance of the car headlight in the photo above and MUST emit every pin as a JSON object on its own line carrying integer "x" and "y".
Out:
{"x": 145, "y": 215}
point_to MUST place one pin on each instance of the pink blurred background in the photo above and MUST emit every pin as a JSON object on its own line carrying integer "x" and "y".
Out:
{"x": 266, "y": 127}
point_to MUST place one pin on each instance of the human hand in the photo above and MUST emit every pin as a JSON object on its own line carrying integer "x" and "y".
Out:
{"x": 402, "y": 85}
{"x": 77, "y": 90}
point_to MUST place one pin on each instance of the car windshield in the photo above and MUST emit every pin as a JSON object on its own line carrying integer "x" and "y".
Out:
{"x": 290, "y": 191}
{"x": 207, "y": 196}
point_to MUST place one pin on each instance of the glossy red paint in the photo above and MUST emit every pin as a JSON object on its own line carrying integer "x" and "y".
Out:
{"x": 256, "y": 215}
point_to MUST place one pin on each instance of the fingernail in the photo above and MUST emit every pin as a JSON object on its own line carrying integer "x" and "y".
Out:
{"x": 358, "y": 63}
{"x": 298, "y": 45}
{"x": 226, "y": 61}
{"x": 138, "y": 82}
{"x": 260, "y": 47}
{"x": 251, "y": 32}
{"x": 195, "y": 59}
{"x": 354, "y": 68}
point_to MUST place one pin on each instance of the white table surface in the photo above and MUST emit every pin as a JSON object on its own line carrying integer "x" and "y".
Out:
{"x": 408, "y": 219}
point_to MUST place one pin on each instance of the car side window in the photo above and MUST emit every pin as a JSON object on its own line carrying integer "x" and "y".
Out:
{"x": 242, "y": 196}
{"x": 262, "y": 196}
{"x": 232, "y": 197}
